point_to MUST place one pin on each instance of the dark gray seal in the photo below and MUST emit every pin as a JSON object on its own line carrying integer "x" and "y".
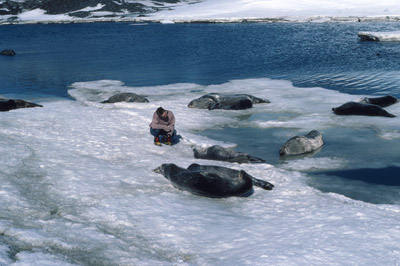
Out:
{"x": 302, "y": 144}
{"x": 213, "y": 101}
{"x": 219, "y": 182}
{"x": 354, "y": 108}
{"x": 8, "y": 52}
{"x": 126, "y": 97}
{"x": 10, "y": 104}
{"x": 219, "y": 170}
{"x": 219, "y": 153}
{"x": 383, "y": 101}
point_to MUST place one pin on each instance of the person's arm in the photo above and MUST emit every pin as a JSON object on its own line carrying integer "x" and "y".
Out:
{"x": 155, "y": 123}
{"x": 171, "y": 125}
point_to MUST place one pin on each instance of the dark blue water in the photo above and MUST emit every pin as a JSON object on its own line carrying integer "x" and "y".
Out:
{"x": 52, "y": 57}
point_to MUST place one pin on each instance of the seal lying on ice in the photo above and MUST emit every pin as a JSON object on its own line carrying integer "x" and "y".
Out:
{"x": 383, "y": 101}
{"x": 229, "y": 172}
{"x": 219, "y": 153}
{"x": 10, "y": 104}
{"x": 354, "y": 108}
{"x": 126, "y": 97}
{"x": 213, "y": 101}
{"x": 302, "y": 144}
{"x": 210, "y": 181}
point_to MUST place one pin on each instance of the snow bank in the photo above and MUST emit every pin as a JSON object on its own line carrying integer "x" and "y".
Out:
{"x": 380, "y": 36}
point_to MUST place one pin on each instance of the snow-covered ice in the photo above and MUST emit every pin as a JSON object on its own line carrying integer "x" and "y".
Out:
{"x": 79, "y": 186}
{"x": 289, "y": 9}
{"x": 389, "y": 36}
{"x": 238, "y": 10}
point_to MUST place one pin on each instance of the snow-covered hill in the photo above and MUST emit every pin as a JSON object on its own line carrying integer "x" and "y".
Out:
{"x": 32, "y": 11}
{"x": 14, "y": 11}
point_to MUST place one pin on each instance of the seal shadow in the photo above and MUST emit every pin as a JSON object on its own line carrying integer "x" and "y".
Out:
{"x": 176, "y": 139}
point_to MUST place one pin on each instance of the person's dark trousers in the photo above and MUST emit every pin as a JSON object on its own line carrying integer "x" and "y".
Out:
{"x": 160, "y": 132}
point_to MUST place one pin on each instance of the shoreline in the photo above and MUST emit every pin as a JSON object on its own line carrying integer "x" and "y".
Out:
{"x": 314, "y": 19}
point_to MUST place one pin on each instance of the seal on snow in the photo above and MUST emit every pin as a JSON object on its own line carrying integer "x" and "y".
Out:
{"x": 302, "y": 144}
{"x": 220, "y": 182}
{"x": 383, "y": 101}
{"x": 219, "y": 153}
{"x": 354, "y": 108}
{"x": 10, "y": 104}
{"x": 219, "y": 170}
{"x": 126, "y": 97}
{"x": 213, "y": 101}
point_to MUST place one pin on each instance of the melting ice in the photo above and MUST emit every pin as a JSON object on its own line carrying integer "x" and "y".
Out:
{"x": 77, "y": 186}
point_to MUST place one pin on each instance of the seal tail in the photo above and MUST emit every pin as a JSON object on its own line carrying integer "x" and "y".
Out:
{"x": 262, "y": 184}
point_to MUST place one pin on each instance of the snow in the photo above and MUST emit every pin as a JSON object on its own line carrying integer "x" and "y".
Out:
{"x": 79, "y": 189}
{"x": 37, "y": 15}
{"x": 79, "y": 186}
{"x": 237, "y": 10}
{"x": 380, "y": 36}
{"x": 290, "y": 9}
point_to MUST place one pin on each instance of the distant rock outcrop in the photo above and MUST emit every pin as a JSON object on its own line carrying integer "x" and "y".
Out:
{"x": 85, "y": 8}
{"x": 8, "y": 52}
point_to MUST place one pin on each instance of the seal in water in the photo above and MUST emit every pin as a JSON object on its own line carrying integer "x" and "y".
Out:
{"x": 126, "y": 97}
{"x": 219, "y": 153}
{"x": 383, "y": 101}
{"x": 354, "y": 108}
{"x": 10, "y": 104}
{"x": 213, "y": 101}
{"x": 302, "y": 144}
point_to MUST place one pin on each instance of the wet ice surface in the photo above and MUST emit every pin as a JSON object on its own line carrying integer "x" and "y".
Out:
{"x": 78, "y": 186}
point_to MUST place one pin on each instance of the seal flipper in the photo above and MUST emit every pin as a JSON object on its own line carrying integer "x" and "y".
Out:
{"x": 262, "y": 184}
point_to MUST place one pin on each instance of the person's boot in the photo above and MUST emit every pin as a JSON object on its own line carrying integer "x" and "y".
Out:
{"x": 167, "y": 141}
{"x": 157, "y": 141}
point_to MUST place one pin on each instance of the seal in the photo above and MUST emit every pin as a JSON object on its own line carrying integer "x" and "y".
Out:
{"x": 219, "y": 153}
{"x": 213, "y": 101}
{"x": 10, "y": 104}
{"x": 302, "y": 144}
{"x": 210, "y": 184}
{"x": 355, "y": 108}
{"x": 219, "y": 170}
{"x": 126, "y": 97}
{"x": 383, "y": 101}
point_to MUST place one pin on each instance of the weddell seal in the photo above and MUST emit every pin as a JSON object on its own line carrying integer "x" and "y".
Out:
{"x": 354, "y": 108}
{"x": 219, "y": 153}
{"x": 383, "y": 101}
{"x": 217, "y": 182}
{"x": 213, "y": 101}
{"x": 10, "y": 104}
{"x": 302, "y": 144}
{"x": 219, "y": 170}
{"x": 126, "y": 97}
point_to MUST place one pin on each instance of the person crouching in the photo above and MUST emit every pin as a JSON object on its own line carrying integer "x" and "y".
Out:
{"x": 162, "y": 127}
